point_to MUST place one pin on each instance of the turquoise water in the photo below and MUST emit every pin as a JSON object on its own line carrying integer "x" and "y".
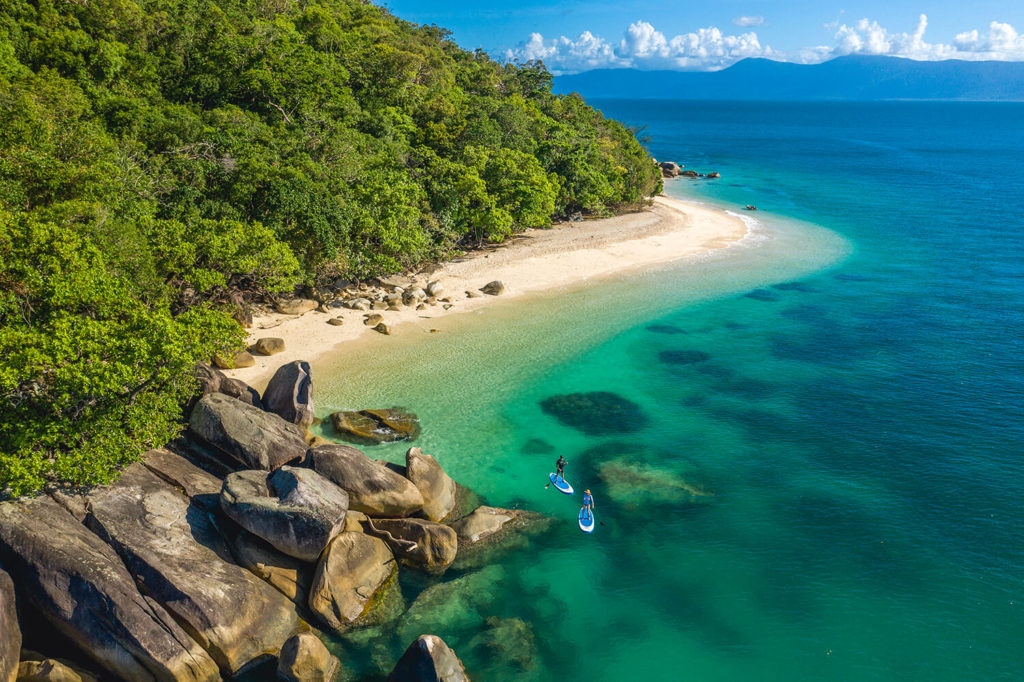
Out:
{"x": 832, "y": 492}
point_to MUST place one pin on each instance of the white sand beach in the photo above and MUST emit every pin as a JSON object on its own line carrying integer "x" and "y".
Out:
{"x": 531, "y": 262}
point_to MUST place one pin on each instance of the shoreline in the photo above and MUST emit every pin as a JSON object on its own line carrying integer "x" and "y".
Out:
{"x": 531, "y": 262}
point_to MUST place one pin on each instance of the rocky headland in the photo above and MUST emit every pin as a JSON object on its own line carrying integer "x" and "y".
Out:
{"x": 243, "y": 546}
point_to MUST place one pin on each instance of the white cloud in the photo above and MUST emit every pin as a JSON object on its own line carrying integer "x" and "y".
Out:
{"x": 642, "y": 46}
{"x": 708, "y": 49}
{"x": 1001, "y": 43}
{"x": 748, "y": 21}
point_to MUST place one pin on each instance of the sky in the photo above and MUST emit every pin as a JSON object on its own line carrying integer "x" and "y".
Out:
{"x": 572, "y": 36}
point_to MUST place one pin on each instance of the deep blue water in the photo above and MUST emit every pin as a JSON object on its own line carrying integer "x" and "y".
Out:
{"x": 858, "y": 422}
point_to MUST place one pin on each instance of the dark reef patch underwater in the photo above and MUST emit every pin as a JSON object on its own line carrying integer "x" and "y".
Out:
{"x": 596, "y": 413}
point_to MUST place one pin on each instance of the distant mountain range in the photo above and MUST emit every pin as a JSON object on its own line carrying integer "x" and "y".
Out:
{"x": 844, "y": 78}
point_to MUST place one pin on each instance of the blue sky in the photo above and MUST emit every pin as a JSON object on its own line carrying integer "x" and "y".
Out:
{"x": 711, "y": 34}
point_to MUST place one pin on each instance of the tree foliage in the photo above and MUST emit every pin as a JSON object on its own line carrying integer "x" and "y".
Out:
{"x": 159, "y": 159}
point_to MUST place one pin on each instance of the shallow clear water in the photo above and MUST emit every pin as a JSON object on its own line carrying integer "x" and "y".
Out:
{"x": 831, "y": 493}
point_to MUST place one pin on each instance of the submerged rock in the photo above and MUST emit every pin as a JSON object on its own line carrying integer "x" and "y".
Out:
{"x": 372, "y": 488}
{"x": 352, "y": 580}
{"x": 371, "y": 427}
{"x": 665, "y": 329}
{"x": 596, "y": 413}
{"x": 802, "y": 287}
{"x": 289, "y": 394}
{"x": 177, "y": 552}
{"x": 296, "y": 510}
{"x": 10, "y": 633}
{"x": 256, "y": 439}
{"x": 304, "y": 658}
{"x": 683, "y": 357}
{"x": 77, "y": 584}
{"x": 762, "y": 295}
{"x": 636, "y": 484}
{"x": 428, "y": 659}
{"x": 509, "y": 642}
{"x": 454, "y": 606}
{"x": 538, "y": 446}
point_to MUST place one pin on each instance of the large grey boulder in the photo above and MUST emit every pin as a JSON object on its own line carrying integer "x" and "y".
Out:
{"x": 429, "y": 659}
{"x": 350, "y": 580}
{"x": 304, "y": 658}
{"x": 77, "y": 584}
{"x": 372, "y": 488}
{"x": 290, "y": 393}
{"x": 426, "y": 544}
{"x": 256, "y": 439}
{"x": 437, "y": 488}
{"x": 298, "y": 511}
{"x": 174, "y": 549}
{"x": 10, "y": 633}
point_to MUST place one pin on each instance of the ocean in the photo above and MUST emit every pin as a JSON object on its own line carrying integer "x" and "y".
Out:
{"x": 819, "y": 471}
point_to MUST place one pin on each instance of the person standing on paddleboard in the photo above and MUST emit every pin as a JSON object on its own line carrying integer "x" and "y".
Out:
{"x": 588, "y": 502}
{"x": 559, "y": 466}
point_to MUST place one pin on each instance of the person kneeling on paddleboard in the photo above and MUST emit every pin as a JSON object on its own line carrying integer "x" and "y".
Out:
{"x": 559, "y": 466}
{"x": 588, "y": 502}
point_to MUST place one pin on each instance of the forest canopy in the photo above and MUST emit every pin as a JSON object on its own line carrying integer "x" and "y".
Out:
{"x": 161, "y": 160}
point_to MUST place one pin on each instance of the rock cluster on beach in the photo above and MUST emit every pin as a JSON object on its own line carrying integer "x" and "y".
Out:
{"x": 671, "y": 169}
{"x": 206, "y": 559}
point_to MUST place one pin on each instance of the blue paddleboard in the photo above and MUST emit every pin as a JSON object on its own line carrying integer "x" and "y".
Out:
{"x": 586, "y": 520}
{"x": 561, "y": 484}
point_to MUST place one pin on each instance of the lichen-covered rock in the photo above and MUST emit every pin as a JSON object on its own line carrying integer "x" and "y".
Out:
{"x": 256, "y": 439}
{"x": 10, "y": 633}
{"x": 429, "y": 659}
{"x": 289, "y": 394}
{"x": 175, "y": 550}
{"x": 437, "y": 488}
{"x": 422, "y": 543}
{"x": 370, "y": 427}
{"x": 350, "y": 580}
{"x": 596, "y": 413}
{"x": 79, "y": 586}
{"x": 304, "y": 658}
{"x": 372, "y": 488}
{"x": 297, "y": 511}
